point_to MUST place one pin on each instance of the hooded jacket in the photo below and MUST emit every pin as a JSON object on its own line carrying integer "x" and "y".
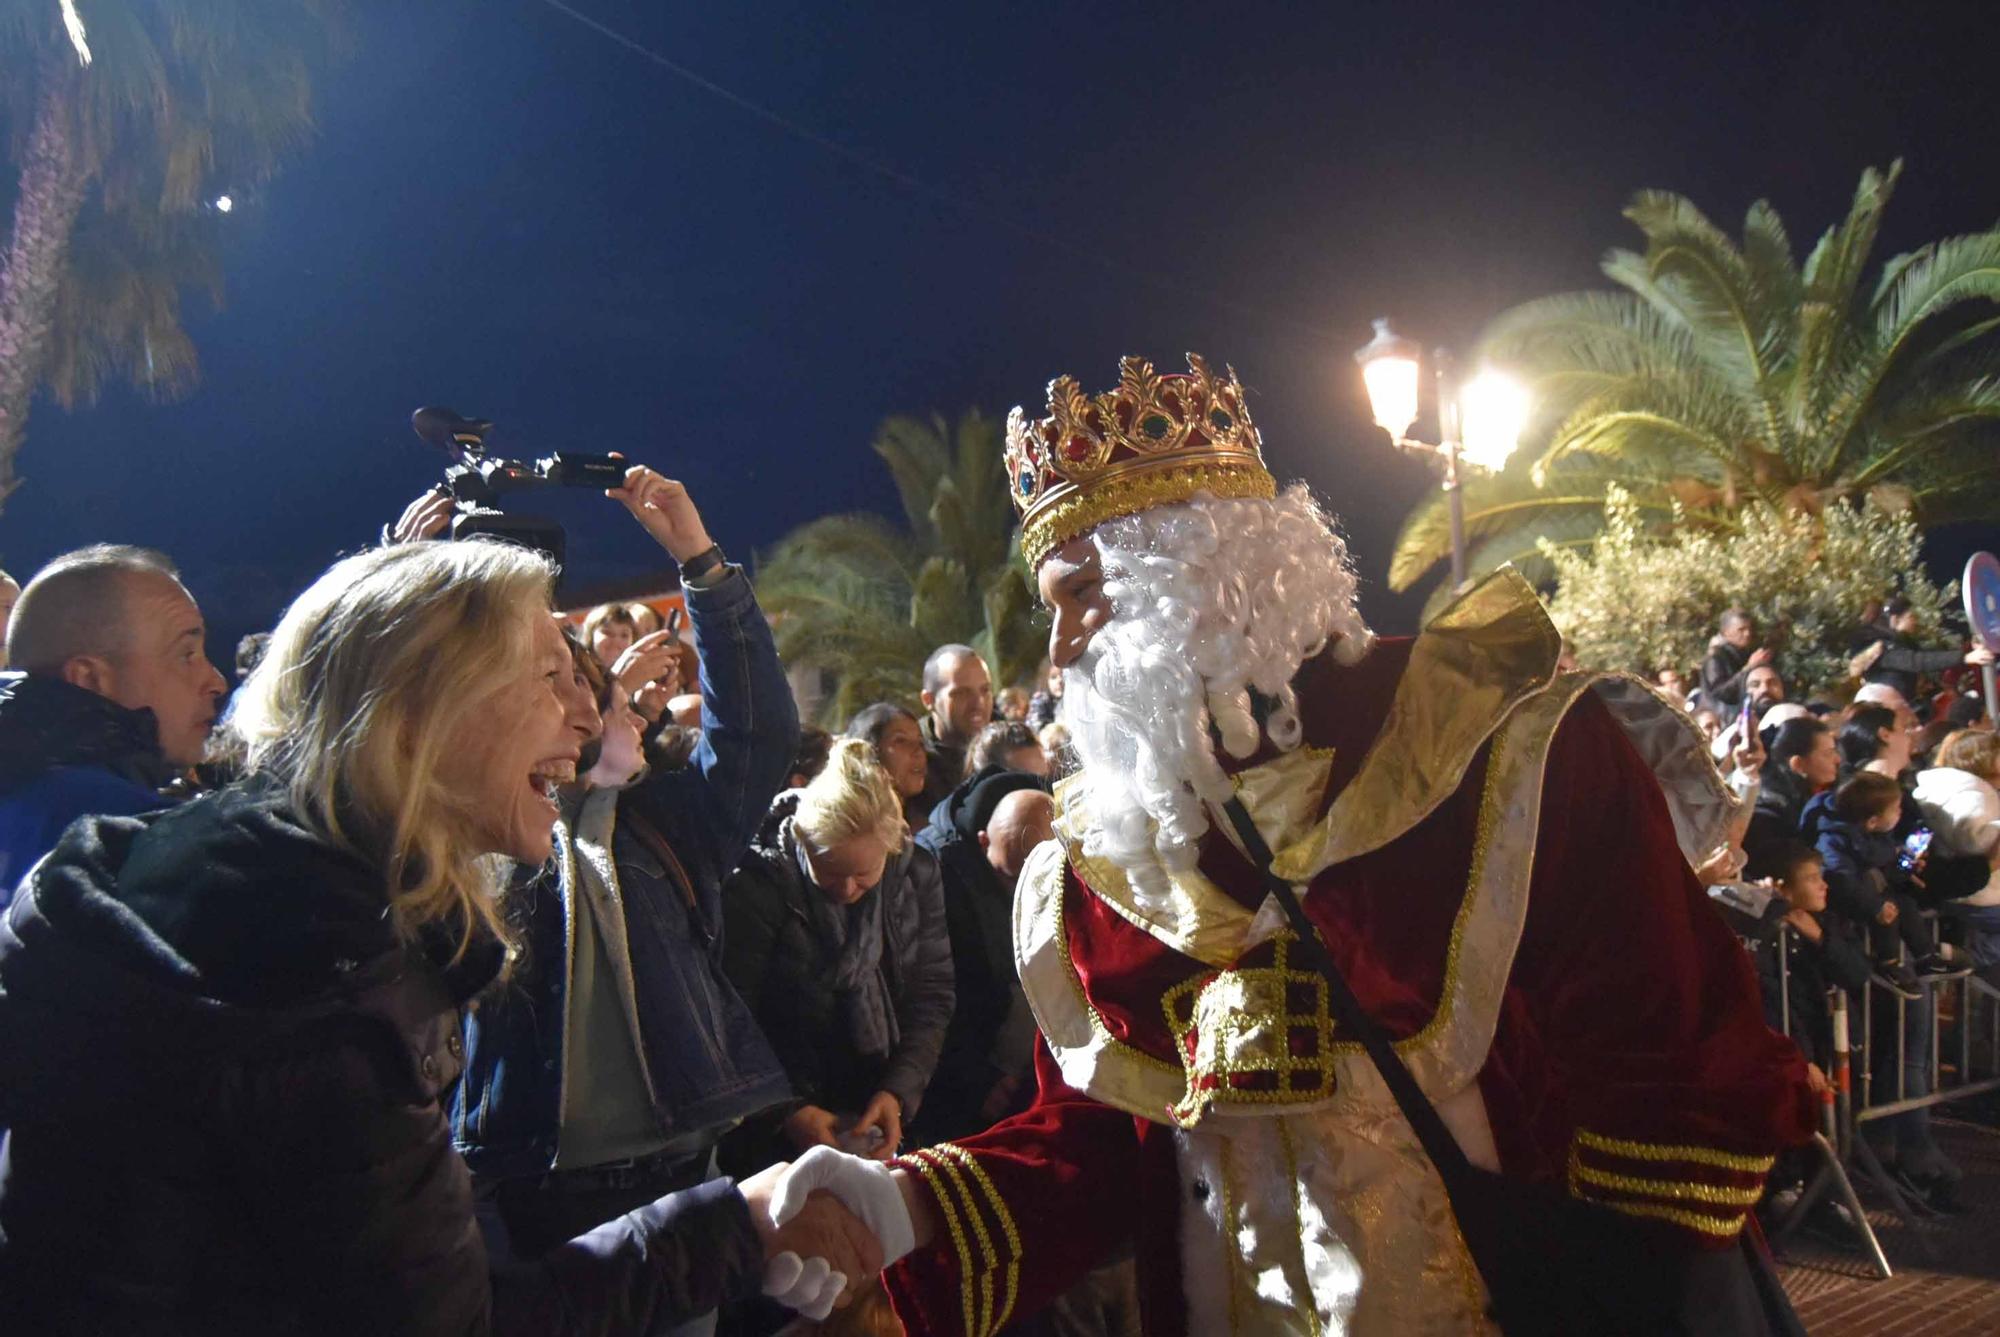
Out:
{"x": 66, "y": 752}
{"x": 224, "y": 1072}
{"x": 1964, "y": 812}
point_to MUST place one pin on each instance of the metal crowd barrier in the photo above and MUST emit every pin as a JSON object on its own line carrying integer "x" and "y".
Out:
{"x": 1836, "y": 1145}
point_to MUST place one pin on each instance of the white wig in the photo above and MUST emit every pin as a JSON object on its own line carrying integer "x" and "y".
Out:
{"x": 1211, "y": 600}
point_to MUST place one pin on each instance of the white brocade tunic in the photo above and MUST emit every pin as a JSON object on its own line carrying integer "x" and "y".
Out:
{"x": 1322, "y": 1223}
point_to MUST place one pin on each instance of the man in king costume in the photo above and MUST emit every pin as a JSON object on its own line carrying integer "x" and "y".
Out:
{"x": 1495, "y": 853}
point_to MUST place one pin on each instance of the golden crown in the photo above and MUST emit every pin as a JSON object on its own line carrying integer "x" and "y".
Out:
{"x": 1152, "y": 441}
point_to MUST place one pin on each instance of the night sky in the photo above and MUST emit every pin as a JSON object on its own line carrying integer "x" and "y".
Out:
{"x": 509, "y": 213}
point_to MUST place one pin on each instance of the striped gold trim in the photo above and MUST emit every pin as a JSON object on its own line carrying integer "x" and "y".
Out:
{"x": 1003, "y": 1216}
{"x": 1668, "y": 1151}
{"x": 950, "y": 1171}
{"x": 1681, "y": 1190}
{"x": 934, "y": 1177}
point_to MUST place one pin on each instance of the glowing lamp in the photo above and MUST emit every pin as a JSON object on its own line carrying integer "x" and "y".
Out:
{"x": 223, "y": 204}
{"x": 1493, "y": 409}
{"x": 1389, "y": 368}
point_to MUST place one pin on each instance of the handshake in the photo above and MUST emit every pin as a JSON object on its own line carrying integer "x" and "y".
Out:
{"x": 827, "y": 1220}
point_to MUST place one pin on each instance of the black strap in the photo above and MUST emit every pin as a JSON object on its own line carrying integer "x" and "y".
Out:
{"x": 1438, "y": 1143}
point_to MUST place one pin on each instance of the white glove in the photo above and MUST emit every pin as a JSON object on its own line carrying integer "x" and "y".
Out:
{"x": 865, "y": 1187}
{"x": 808, "y": 1285}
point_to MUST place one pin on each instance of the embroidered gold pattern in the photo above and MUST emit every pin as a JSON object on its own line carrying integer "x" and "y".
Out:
{"x": 1697, "y": 1204}
{"x": 1259, "y": 1036}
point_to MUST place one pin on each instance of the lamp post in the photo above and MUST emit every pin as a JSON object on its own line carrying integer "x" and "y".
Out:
{"x": 1479, "y": 422}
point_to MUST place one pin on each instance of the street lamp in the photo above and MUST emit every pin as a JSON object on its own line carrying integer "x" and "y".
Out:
{"x": 1479, "y": 423}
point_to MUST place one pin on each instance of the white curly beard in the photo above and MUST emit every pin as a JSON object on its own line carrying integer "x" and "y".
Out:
{"x": 1210, "y": 601}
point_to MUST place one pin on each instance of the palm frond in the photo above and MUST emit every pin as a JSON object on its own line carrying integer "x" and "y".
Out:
{"x": 919, "y": 456}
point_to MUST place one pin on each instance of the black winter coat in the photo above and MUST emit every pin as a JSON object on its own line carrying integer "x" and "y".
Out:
{"x": 778, "y": 964}
{"x": 1722, "y": 675}
{"x": 1835, "y": 961}
{"x": 223, "y": 1072}
{"x": 991, "y": 1011}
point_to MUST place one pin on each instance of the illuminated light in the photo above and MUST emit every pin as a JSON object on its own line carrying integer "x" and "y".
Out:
{"x": 223, "y": 204}
{"x": 1493, "y": 408}
{"x": 1389, "y": 368}
{"x": 73, "y": 25}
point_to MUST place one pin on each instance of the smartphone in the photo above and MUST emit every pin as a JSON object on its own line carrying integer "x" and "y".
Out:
{"x": 1915, "y": 846}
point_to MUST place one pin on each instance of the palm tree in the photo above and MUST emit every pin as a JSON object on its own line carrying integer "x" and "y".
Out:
{"x": 867, "y": 600}
{"x": 1724, "y": 374}
{"x": 121, "y": 120}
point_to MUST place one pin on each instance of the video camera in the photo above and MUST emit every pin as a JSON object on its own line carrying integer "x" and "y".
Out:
{"x": 477, "y": 480}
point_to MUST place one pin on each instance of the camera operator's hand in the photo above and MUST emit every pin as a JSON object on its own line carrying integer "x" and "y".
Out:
{"x": 424, "y": 518}
{"x": 665, "y": 509}
{"x": 654, "y": 657}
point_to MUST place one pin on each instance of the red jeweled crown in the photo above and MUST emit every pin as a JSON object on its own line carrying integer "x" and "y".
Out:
{"x": 1152, "y": 441}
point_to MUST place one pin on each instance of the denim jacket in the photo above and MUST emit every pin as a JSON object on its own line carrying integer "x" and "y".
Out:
{"x": 707, "y": 1061}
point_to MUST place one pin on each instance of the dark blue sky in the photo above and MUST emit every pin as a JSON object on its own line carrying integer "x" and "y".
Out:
{"x": 507, "y": 213}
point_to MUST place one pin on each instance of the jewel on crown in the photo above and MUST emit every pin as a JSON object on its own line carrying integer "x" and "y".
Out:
{"x": 1147, "y": 418}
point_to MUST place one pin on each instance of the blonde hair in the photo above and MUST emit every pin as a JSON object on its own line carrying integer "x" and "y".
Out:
{"x": 1975, "y": 751}
{"x": 370, "y": 675}
{"x": 851, "y": 797}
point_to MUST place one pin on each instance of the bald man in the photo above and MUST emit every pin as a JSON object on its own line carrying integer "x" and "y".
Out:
{"x": 982, "y": 834}
{"x": 111, "y": 694}
{"x": 1023, "y": 820}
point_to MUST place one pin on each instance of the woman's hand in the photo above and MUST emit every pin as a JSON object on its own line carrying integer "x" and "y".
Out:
{"x": 884, "y": 1112}
{"x": 1817, "y": 1080}
{"x": 424, "y": 518}
{"x": 811, "y": 1126}
{"x": 653, "y": 658}
{"x": 1887, "y": 914}
{"x": 666, "y": 511}
{"x": 1720, "y": 867}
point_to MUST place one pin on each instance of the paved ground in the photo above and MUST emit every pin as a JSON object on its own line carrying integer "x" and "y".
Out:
{"x": 1947, "y": 1271}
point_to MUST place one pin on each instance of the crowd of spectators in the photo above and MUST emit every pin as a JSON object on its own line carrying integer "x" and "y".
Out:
{"x": 1873, "y": 837}
{"x": 712, "y": 938}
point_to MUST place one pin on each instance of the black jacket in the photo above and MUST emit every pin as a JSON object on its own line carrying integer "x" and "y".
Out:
{"x": 65, "y": 753}
{"x": 224, "y": 1073}
{"x": 1835, "y": 961}
{"x": 991, "y": 1010}
{"x": 1722, "y": 675}
{"x": 784, "y": 972}
{"x": 1903, "y": 663}
{"x": 1781, "y": 803}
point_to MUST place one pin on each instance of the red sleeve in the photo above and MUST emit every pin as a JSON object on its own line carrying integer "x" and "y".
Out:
{"x": 1027, "y": 1207}
{"x": 1634, "y": 1059}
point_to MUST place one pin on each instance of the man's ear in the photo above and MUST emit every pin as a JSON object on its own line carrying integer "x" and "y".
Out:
{"x": 985, "y": 841}
{"x": 929, "y": 698}
{"x": 90, "y": 672}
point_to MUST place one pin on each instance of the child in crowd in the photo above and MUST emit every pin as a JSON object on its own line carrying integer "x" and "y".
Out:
{"x": 1819, "y": 952}
{"x": 1855, "y": 836}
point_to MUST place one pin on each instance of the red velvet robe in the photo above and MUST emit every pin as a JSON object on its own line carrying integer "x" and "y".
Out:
{"x": 1629, "y": 1043}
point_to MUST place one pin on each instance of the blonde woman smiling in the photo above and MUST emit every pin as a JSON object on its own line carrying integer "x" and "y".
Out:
{"x": 226, "y": 1030}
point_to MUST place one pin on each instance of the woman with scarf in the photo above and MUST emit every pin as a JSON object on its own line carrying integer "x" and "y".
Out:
{"x": 836, "y": 937}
